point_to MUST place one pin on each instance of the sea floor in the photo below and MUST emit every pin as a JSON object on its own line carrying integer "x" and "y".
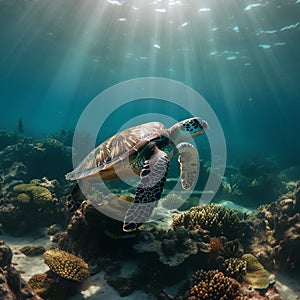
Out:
{"x": 96, "y": 287}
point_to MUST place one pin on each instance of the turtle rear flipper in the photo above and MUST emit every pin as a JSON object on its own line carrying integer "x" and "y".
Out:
{"x": 152, "y": 180}
{"x": 189, "y": 165}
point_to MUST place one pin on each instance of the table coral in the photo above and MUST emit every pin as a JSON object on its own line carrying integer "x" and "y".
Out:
{"x": 66, "y": 265}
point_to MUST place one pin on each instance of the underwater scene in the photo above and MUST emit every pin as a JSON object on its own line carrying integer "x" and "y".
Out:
{"x": 149, "y": 149}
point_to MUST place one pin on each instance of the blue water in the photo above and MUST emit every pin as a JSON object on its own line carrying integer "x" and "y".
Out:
{"x": 241, "y": 56}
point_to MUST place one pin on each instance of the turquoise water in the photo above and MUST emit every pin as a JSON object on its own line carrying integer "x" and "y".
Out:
{"x": 241, "y": 56}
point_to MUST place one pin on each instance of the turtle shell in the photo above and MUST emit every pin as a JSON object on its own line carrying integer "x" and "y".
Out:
{"x": 115, "y": 151}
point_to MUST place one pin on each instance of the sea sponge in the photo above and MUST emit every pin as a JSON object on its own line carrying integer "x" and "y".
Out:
{"x": 218, "y": 220}
{"x": 66, "y": 265}
{"x": 215, "y": 286}
{"x": 234, "y": 268}
{"x": 40, "y": 195}
{"x": 256, "y": 275}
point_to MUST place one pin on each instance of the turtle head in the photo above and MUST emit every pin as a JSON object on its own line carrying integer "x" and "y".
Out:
{"x": 188, "y": 129}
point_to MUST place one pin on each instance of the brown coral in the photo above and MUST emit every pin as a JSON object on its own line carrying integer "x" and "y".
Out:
{"x": 38, "y": 283}
{"x": 234, "y": 268}
{"x": 256, "y": 275}
{"x": 218, "y": 220}
{"x": 215, "y": 286}
{"x": 66, "y": 265}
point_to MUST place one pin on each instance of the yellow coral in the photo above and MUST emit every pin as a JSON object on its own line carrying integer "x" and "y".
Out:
{"x": 253, "y": 264}
{"x": 256, "y": 275}
{"x": 39, "y": 194}
{"x": 23, "y": 198}
{"x": 66, "y": 265}
{"x": 38, "y": 283}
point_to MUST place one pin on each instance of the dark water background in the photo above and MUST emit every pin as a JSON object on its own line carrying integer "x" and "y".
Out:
{"x": 242, "y": 56}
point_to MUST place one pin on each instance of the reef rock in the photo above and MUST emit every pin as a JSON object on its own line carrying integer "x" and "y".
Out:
{"x": 12, "y": 286}
{"x": 273, "y": 232}
{"x": 24, "y": 200}
{"x": 32, "y": 250}
{"x": 173, "y": 247}
{"x": 62, "y": 280}
{"x": 50, "y": 153}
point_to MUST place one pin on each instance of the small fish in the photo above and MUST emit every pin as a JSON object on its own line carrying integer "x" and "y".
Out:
{"x": 1, "y": 179}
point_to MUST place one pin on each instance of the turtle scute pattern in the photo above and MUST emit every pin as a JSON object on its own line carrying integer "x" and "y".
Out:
{"x": 66, "y": 265}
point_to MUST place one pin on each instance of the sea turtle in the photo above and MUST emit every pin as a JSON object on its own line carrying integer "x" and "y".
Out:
{"x": 144, "y": 150}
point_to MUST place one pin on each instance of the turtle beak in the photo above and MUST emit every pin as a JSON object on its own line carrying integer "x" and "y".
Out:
{"x": 204, "y": 125}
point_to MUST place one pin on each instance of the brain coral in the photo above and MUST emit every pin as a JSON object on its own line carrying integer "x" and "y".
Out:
{"x": 66, "y": 265}
{"x": 39, "y": 194}
{"x": 218, "y": 220}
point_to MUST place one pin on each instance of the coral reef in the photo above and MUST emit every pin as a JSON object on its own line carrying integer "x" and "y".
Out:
{"x": 21, "y": 201}
{"x": 273, "y": 233}
{"x": 217, "y": 220}
{"x": 175, "y": 246}
{"x": 39, "y": 195}
{"x": 252, "y": 181}
{"x": 63, "y": 278}
{"x": 50, "y": 153}
{"x": 50, "y": 286}
{"x": 12, "y": 286}
{"x": 7, "y": 138}
{"x": 214, "y": 285}
{"x": 32, "y": 250}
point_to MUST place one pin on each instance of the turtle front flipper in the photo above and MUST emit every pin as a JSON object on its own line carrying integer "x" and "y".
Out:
{"x": 152, "y": 180}
{"x": 76, "y": 197}
{"x": 189, "y": 165}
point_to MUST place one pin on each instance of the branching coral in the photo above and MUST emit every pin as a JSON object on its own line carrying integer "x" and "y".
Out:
{"x": 66, "y": 265}
{"x": 218, "y": 220}
{"x": 214, "y": 285}
{"x": 38, "y": 283}
{"x": 234, "y": 268}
